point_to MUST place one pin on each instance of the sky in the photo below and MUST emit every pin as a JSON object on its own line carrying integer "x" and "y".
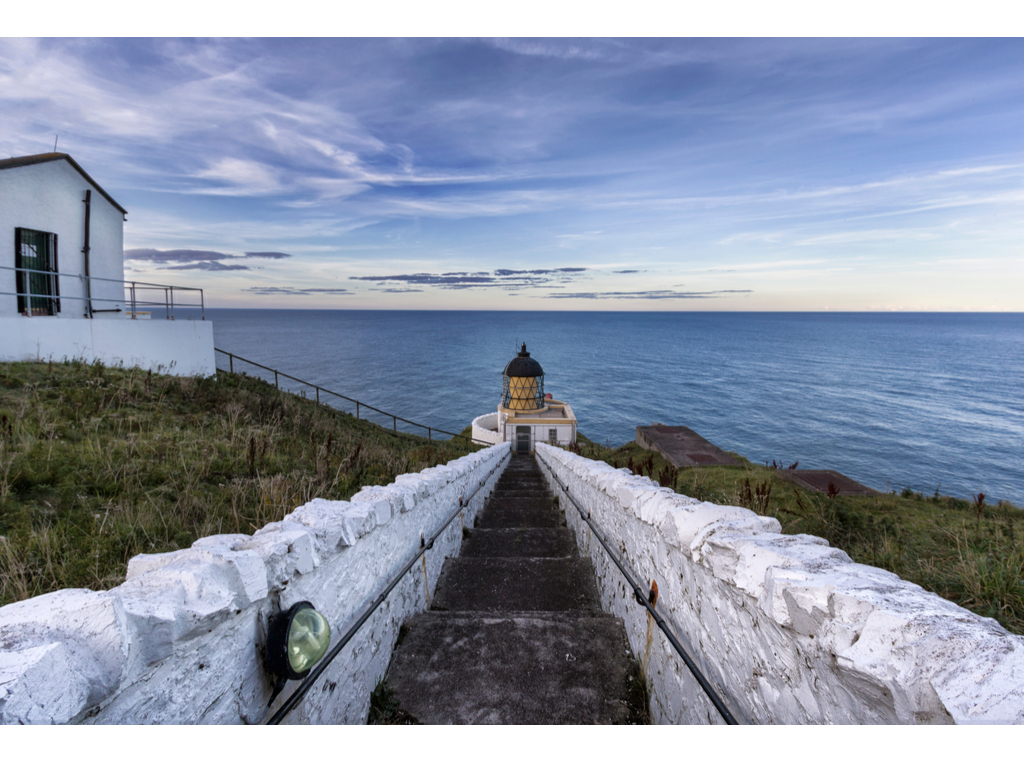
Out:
{"x": 746, "y": 174}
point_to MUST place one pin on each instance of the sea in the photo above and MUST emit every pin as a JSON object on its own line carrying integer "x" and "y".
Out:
{"x": 930, "y": 402}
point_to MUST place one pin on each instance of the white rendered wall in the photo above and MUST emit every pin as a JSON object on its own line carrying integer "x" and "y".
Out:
{"x": 787, "y": 628}
{"x": 181, "y": 640}
{"x": 540, "y": 433}
{"x": 179, "y": 347}
{"x": 48, "y": 197}
{"x": 485, "y": 428}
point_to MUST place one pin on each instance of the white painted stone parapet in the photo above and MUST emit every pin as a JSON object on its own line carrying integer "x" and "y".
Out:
{"x": 485, "y": 428}
{"x": 181, "y": 640}
{"x": 788, "y": 629}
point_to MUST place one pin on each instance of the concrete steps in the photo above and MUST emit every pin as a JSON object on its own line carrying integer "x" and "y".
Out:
{"x": 515, "y": 633}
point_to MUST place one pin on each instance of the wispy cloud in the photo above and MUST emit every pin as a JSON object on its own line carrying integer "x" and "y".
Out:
{"x": 208, "y": 261}
{"x": 418, "y": 166}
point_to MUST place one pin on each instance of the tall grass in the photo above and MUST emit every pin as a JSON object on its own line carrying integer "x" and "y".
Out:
{"x": 99, "y": 464}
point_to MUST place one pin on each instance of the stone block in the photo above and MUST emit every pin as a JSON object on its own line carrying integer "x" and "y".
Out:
{"x": 89, "y": 626}
{"x": 378, "y": 499}
{"x": 41, "y": 686}
{"x": 685, "y": 526}
{"x": 415, "y": 485}
{"x": 332, "y": 522}
{"x": 287, "y": 549}
{"x": 246, "y": 566}
{"x": 187, "y": 598}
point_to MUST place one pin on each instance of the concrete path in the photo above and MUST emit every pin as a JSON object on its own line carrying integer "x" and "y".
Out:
{"x": 515, "y": 633}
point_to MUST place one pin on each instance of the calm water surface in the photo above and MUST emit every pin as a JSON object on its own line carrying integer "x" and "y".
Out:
{"x": 892, "y": 400}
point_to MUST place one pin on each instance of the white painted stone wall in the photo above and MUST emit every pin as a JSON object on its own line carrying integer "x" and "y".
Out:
{"x": 181, "y": 640}
{"x": 179, "y": 347}
{"x": 541, "y": 433}
{"x": 48, "y": 197}
{"x": 485, "y": 428}
{"x": 787, "y": 628}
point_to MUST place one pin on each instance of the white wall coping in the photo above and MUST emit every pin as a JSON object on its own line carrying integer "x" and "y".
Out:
{"x": 791, "y": 629}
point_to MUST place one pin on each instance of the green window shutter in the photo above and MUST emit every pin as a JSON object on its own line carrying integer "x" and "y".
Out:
{"x": 56, "y": 278}
{"x": 36, "y": 252}
{"x": 19, "y": 277}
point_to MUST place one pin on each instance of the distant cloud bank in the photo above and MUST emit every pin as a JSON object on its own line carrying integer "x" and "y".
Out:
{"x": 186, "y": 258}
{"x": 264, "y": 290}
{"x": 498, "y": 278}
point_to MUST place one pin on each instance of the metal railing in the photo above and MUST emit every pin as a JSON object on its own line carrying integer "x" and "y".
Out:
{"x": 425, "y": 544}
{"x": 133, "y": 303}
{"x": 646, "y": 602}
{"x": 317, "y": 389}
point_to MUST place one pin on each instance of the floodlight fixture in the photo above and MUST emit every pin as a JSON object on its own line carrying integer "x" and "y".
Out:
{"x": 296, "y": 640}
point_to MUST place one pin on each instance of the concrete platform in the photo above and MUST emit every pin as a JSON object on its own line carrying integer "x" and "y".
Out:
{"x": 819, "y": 479}
{"x": 683, "y": 447}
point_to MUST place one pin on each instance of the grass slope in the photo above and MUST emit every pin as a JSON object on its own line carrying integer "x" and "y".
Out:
{"x": 99, "y": 464}
{"x": 971, "y": 553}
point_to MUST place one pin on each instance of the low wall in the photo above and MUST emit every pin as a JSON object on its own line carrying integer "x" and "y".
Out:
{"x": 787, "y": 628}
{"x": 181, "y": 640}
{"x": 179, "y": 347}
{"x": 485, "y": 428}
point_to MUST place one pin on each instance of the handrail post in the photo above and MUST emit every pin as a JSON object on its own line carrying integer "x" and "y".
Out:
{"x": 275, "y": 379}
{"x": 318, "y": 395}
{"x": 231, "y": 362}
{"x": 202, "y": 303}
{"x": 172, "y": 302}
{"x": 135, "y": 314}
{"x": 395, "y": 426}
{"x": 357, "y": 409}
{"x": 428, "y": 435}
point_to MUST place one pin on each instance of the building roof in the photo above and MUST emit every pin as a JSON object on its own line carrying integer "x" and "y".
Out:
{"x": 48, "y": 157}
{"x": 522, "y": 365}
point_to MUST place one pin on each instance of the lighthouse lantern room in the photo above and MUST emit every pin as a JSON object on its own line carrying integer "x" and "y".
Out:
{"x": 526, "y": 415}
{"x": 524, "y": 383}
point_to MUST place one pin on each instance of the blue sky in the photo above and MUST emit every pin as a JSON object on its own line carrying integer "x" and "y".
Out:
{"x": 576, "y": 174}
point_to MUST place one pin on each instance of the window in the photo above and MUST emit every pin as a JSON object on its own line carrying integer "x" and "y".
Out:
{"x": 35, "y": 258}
{"x": 553, "y": 436}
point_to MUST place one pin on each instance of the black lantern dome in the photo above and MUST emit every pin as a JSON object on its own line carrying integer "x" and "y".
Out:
{"x": 524, "y": 383}
{"x": 523, "y": 365}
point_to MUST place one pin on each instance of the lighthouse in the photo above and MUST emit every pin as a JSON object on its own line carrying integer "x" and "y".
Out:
{"x": 526, "y": 415}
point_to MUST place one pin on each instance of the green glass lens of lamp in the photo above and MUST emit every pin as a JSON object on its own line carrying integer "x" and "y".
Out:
{"x": 308, "y": 638}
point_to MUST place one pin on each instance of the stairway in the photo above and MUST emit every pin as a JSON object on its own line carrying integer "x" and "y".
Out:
{"x": 515, "y": 633}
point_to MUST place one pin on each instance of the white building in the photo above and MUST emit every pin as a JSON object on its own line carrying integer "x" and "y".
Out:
{"x": 62, "y": 290}
{"x": 526, "y": 415}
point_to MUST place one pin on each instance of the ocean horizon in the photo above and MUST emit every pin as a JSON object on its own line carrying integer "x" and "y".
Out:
{"x": 927, "y": 401}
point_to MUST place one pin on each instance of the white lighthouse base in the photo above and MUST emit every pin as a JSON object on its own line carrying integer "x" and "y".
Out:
{"x": 485, "y": 429}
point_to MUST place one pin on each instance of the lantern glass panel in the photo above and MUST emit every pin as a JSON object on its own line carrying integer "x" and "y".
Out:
{"x": 308, "y": 638}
